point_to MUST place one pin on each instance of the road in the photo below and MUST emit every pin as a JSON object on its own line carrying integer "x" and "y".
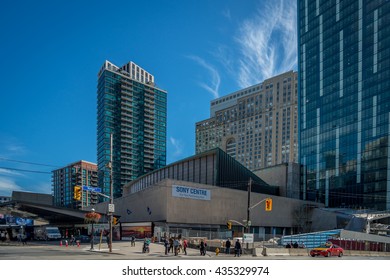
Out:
{"x": 123, "y": 251}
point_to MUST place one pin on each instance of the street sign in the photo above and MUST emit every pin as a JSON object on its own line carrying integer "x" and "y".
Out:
{"x": 111, "y": 208}
{"x": 91, "y": 189}
{"x": 248, "y": 238}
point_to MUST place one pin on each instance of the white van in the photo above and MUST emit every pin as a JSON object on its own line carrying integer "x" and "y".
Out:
{"x": 47, "y": 233}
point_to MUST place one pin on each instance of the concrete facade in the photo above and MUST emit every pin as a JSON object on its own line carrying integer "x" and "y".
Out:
{"x": 285, "y": 176}
{"x": 40, "y": 198}
{"x": 158, "y": 204}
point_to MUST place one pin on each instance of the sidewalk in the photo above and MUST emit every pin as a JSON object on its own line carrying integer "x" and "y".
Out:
{"x": 156, "y": 250}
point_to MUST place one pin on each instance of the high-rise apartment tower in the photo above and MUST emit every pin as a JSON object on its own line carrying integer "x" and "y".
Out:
{"x": 258, "y": 125}
{"x": 344, "y": 68}
{"x": 134, "y": 111}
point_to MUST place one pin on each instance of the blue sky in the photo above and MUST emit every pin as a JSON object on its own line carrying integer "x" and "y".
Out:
{"x": 51, "y": 52}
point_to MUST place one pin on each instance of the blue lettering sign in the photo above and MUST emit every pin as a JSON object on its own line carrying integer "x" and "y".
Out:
{"x": 191, "y": 193}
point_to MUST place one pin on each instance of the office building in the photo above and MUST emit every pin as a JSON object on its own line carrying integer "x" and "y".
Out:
{"x": 344, "y": 66}
{"x": 80, "y": 173}
{"x": 134, "y": 111}
{"x": 257, "y": 126}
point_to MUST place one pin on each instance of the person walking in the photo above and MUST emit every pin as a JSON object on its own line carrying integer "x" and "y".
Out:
{"x": 202, "y": 248}
{"x": 237, "y": 248}
{"x": 166, "y": 245}
{"x": 72, "y": 240}
{"x": 176, "y": 245}
{"x": 170, "y": 245}
{"x": 132, "y": 241}
{"x": 185, "y": 245}
{"x": 108, "y": 240}
{"x": 228, "y": 244}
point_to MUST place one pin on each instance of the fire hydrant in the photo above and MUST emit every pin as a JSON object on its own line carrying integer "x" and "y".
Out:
{"x": 217, "y": 251}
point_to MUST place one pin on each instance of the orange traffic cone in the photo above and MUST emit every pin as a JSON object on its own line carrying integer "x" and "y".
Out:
{"x": 60, "y": 242}
{"x": 66, "y": 243}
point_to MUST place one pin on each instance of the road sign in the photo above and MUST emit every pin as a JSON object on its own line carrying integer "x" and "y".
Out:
{"x": 91, "y": 189}
{"x": 111, "y": 208}
{"x": 248, "y": 238}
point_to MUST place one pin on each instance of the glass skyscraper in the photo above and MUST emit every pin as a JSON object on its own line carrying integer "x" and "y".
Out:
{"x": 344, "y": 77}
{"x": 134, "y": 111}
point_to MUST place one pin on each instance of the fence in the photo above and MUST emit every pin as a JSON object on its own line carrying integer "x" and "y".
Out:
{"x": 358, "y": 245}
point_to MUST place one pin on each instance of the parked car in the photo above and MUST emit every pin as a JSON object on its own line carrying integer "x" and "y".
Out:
{"x": 83, "y": 238}
{"x": 327, "y": 250}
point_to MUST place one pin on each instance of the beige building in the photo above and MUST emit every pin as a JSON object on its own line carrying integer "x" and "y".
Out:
{"x": 200, "y": 194}
{"x": 258, "y": 126}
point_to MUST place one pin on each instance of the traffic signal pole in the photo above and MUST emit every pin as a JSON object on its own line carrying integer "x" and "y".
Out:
{"x": 249, "y": 206}
{"x": 248, "y": 213}
{"x": 111, "y": 192}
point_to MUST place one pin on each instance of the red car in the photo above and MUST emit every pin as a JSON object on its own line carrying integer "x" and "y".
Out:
{"x": 327, "y": 250}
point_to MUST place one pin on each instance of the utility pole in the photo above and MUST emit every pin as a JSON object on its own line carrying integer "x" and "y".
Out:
{"x": 249, "y": 206}
{"x": 248, "y": 209}
{"x": 111, "y": 192}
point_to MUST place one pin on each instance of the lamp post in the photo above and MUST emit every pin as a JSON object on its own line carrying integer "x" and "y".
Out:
{"x": 92, "y": 218}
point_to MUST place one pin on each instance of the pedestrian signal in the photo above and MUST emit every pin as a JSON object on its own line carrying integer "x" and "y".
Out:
{"x": 77, "y": 192}
{"x": 268, "y": 204}
{"x": 229, "y": 225}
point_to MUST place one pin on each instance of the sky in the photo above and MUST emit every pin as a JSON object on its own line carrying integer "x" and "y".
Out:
{"x": 51, "y": 52}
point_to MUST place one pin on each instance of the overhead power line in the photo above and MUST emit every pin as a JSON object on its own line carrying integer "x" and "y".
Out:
{"x": 27, "y": 162}
{"x": 25, "y": 170}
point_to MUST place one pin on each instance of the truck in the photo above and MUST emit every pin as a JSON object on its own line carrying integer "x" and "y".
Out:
{"x": 47, "y": 233}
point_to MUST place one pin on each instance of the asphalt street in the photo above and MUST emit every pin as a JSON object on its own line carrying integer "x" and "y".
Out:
{"x": 122, "y": 250}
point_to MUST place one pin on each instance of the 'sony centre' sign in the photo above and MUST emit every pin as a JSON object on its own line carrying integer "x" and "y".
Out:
{"x": 191, "y": 193}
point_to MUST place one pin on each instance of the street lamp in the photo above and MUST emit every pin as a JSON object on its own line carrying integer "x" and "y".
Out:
{"x": 92, "y": 218}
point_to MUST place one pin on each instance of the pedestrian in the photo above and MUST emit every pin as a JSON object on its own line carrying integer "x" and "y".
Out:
{"x": 237, "y": 248}
{"x": 72, "y": 240}
{"x": 166, "y": 245}
{"x": 2, "y": 236}
{"x": 24, "y": 239}
{"x": 132, "y": 241}
{"x": 185, "y": 245}
{"x": 228, "y": 244}
{"x": 202, "y": 248}
{"x": 170, "y": 245}
{"x": 108, "y": 240}
{"x": 176, "y": 245}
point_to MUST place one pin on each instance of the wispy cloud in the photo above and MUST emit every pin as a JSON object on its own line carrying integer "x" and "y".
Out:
{"x": 10, "y": 146}
{"x": 7, "y": 185}
{"x": 213, "y": 86}
{"x": 177, "y": 146}
{"x": 226, "y": 13}
{"x": 267, "y": 42}
{"x": 8, "y": 172}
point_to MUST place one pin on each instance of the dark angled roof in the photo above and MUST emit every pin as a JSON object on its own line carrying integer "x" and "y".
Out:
{"x": 43, "y": 212}
{"x": 213, "y": 167}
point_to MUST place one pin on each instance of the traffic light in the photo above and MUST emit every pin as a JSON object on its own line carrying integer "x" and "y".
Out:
{"x": 229, "y": 225}
{"x": 77, "y": 192}
{"x": 268, "y": 204}
{"x": 115, "y": 221}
